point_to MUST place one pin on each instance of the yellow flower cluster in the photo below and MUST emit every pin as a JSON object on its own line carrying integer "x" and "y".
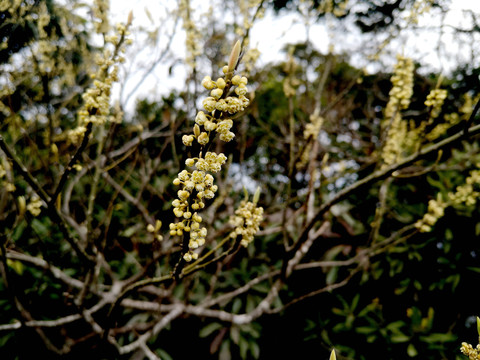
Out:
{"x": 464, "y": 194}
{"x": 312, "y": 129}
{"x": 227, "y": 97}
{"x": 96, "y": 107}
{"x": 402, "y": 90}
{"x": 247, "y": 221}
{"x": 468, "y": 350}
{"x": 337, "y": 8}
{"x": 290, "y": 83}
{"x": 435, "y": 99}
{"x": 436, "y": 209}
{"x": 400, "y": 94}
{"x": 6, "y": 167}
{"x": 34, "y": 205}
{"x": 154, "y": 230}
{"x": 100, "y": 14}
{"x": 193, "y": 36}
{"x": 419, "y": 7}
{"x": 250, "y": 59}
{"x": 452, "y": 119}
{"x": 45, "y": 48}
{"x": 397, "y": 134}
{"x": 217, "y": 100}
{"x": 244, "y": 7}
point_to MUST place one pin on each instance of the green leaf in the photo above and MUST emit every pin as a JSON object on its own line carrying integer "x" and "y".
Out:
{"x": 16, "y": 266}
{"x": 209, "y": 329}
{"x": 235, "y": 334}
{"x": 400, "y": 338}
{"x": 439, "y": 338}
{"x": 332, "y": 276}
{"x": 237, "y": 305}
{"x": 355, "y": 301}
{"x": 163, "y": 354}
{"x": 17, "y": 233}
{"x": 411, "y": 351}
{"x": 40, "y": 228}
{"x": 364, "y": 330}
{"x": 255, "y": 349}
{"x": 395, "y": 326}
{"x": 478, "y": 326}
{"x": 128, "y": 232}
{"x": 225, "y": 351}
{"x": 477, "y": 229}
{"x": 243, "y": 345}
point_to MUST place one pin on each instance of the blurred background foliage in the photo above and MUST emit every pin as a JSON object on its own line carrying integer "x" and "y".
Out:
{"x": 416, "y": 297}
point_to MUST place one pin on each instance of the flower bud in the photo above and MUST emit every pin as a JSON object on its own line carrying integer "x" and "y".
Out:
{"x": 196, "y": 131}
{"x": 203, "y": 138}
{"x": 234, "y": 55}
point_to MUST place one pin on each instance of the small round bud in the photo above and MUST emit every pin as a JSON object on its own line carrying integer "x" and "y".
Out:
{"x": 182, "y": 194}
{"x": 178, "y": 212}
{"x": 195, "y": 226}
{"x": 221, "y": 83}
{"x": 200, "y": 118}
{"x": 193, "y": 244}
{"x": 187, "y": 140}
{"x": 210, "y": 126}
{"x": 236, "y": 80}
{"x": 203, "y": 139}
{"x": 216, "y": 93}
{"x": 189, "y": 185}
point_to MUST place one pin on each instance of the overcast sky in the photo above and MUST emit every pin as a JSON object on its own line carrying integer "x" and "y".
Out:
{"x": 271, "y": 33}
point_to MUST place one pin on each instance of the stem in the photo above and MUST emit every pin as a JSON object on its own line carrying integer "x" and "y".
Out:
{"x": 72, "y": 162}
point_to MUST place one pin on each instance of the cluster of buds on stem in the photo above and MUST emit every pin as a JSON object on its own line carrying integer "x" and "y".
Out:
{"x": 402, "y": 90}
{"x": 435, "y": 100}
{"x": 227, "y": 97}
{"x": 247, "y": 220}
{"x": 396, "y": 130}
{"x": 466, "y": 194}
{"x": 96, "y": 106}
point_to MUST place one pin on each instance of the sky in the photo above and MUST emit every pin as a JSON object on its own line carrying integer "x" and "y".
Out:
{"x": 270, "y": 35}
